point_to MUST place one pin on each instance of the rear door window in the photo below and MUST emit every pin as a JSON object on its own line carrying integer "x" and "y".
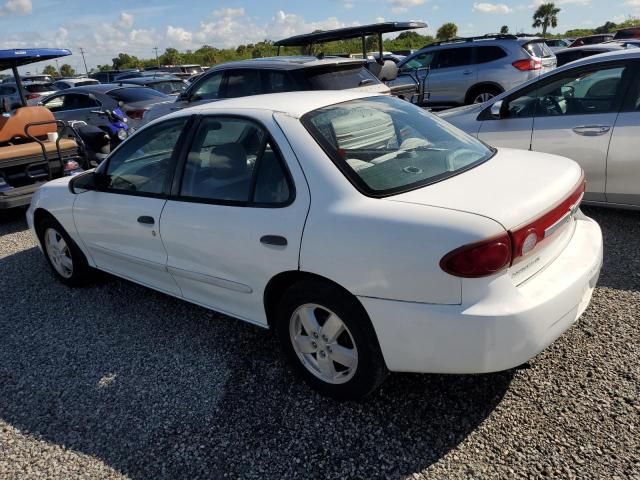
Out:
{"x": 275, "y": 81}
{"x": 453, "y": 57}
{"x": 242, "y": 83}
{"x": 338, "y": 78}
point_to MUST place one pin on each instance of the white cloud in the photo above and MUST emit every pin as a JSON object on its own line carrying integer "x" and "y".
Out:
{"x": 348, "y": 5}
{"x": 16, "y": 7}
{"x": 402, "y": 6}
{"x": 492, "y": 8}
{"x": 537, "y": 3}
{"x": 229, "y": 12}
{"x": 126, "y": 20}
{"x": 179, "y": 37}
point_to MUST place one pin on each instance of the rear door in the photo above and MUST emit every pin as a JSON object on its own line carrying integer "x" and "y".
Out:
{"x": 575, "y": 114}
{"x": 452, "y": 74}
{"x": 236, "y": 214}
{"x": 623, "y": 161}
{"x": 73, "y": 106}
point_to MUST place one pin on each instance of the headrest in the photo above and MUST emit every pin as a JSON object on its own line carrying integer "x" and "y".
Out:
{"x": 228, "y": 160}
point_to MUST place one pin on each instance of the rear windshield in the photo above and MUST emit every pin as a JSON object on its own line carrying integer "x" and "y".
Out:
{"x": 538, "y": 49}
{"x": 385, "y": 145}
{"x": 630, "y": 33}
{"x": 338, "y": 78}
{"x": 40, "y": 87}
{"x": 135, "y": 94}
{"x": 169, "y": 87}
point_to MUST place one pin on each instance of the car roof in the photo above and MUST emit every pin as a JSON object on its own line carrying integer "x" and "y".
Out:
{"x": 295, "y": 104}
{"x": 618, "y": 54}
{"x": 605, "y": 47}
{"x": 148, "y": 80}
{"x": 102, "y": 88}
{"x": 292, "y": 62}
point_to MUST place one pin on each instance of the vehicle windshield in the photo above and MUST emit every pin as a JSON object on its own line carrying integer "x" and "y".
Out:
{"x": 385, "y": 145}
{"x": 135, "y": 94}
{"x": 338, "y": 78}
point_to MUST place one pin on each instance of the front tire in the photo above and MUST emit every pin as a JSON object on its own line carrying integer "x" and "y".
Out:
{"x": 65, "y": 258}
{"x": 482, "y": 94}
{"x": 328, "y": 338}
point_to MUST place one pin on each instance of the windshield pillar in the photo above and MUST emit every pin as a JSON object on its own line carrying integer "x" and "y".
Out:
{"x": 18, "y": 80}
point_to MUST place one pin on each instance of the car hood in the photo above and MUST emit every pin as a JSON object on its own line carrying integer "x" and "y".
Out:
{"x": 512, "y": 188}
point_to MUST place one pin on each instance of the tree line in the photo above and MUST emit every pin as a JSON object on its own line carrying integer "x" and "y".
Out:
{"x": 545, "y": 17}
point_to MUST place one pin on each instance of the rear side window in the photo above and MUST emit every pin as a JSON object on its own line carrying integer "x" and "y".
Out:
{"x": 135, "y": 94}
{"x": 338, "y": 78}
{"x": 242, "y": 83}
{"x": 453, "y": 57}
{"x": 169, "y": 87}
{"x": 275, "y": 81}
{"x": 5, "y": 90}
{"x": 489, "y": 54}
{"x": 537, "y": 49}
{"x": 232, "y": 160}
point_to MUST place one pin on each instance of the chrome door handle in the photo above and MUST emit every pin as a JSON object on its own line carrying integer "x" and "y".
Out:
{"x": 146, "y": 220}
{"x": 592, "y": 130}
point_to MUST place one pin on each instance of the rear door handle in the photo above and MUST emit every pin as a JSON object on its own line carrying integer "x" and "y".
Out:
{"x": 146, "y": 220}
{"x": 592, "y": 130}
{"x": 275, "y": 240}
{"x": 467, "y": 72}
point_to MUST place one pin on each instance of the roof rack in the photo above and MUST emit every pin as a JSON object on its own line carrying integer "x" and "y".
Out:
{"x": 488, "y": 36}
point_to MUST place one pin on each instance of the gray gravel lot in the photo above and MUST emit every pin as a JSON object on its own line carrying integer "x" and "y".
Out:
{"x": 117, "y": 381}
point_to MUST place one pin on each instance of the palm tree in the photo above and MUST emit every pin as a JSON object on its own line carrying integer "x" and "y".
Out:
{"x": 545, "y": 16}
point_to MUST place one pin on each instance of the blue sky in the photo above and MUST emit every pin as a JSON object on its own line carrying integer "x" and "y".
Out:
{"x": 107, "y": 27}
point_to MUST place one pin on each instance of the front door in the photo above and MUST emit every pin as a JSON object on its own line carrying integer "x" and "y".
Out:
{"x": 235, "y": 219}
{"x": 74, "y": 106}
{"x": 575, "y": 116}
{"x": 120, "y": 224}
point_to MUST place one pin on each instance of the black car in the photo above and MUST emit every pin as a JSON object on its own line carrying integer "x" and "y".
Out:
{"x": 167, "y": 84}
{"x": 273, "y": 75}
{"x": 81, "y": 103}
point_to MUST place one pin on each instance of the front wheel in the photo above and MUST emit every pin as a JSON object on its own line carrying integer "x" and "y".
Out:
{"x": 63, "y": 255}
{"x": 330, "y": 341}
{"x": 482, "y": 94}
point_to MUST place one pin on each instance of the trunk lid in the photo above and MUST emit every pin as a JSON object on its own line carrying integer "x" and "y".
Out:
{"x": 515, "y": 188}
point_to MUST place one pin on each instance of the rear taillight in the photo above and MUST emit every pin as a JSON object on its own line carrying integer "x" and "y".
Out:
{"x": 136, "y": 114}
{"x": 528, "y": 64}
{"x": 495, "y": 254}
{"x": 526, "y": 237}
{"x": 479, "y": 259}
{"x": 32, "y": 96}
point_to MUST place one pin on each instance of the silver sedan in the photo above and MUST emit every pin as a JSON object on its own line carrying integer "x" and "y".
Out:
{"x": 587, "y": 110}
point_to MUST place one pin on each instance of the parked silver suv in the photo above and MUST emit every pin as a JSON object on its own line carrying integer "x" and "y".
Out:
{"x": 471, "y": 70}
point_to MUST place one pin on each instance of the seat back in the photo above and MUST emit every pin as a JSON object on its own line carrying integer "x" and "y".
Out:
{"x": 14, "y": 126}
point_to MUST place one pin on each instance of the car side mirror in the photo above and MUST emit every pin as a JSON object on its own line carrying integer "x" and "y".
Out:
{"x": 87, "y": 181}
{"x": 496, "y": 109}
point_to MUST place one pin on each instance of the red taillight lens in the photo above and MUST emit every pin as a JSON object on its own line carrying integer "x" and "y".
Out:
{"x": 542, "y": 227}
{"x": 32, "y": 96}
{"x": 479, "y": 259}
{"x": 491, "y": 256}
{"x": 527, "y": 64}
{"x": 136, "y": 114}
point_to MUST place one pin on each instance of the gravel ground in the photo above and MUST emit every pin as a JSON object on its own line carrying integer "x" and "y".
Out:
{"x": 117, "y": 381}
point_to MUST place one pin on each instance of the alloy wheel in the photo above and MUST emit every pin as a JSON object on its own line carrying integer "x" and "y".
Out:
{"x": 323, "y": 343}
{"x": 483, "y": 97}
{"x": 58, "y": 252}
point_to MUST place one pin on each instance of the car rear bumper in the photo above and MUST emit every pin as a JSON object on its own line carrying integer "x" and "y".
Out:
{"x": 505, "y": 329}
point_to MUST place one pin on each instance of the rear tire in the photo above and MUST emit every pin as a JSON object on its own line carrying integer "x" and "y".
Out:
{"x": 327, "y": 337}
{"x": 482, "y": 93}
{"x": 65, "y": 258}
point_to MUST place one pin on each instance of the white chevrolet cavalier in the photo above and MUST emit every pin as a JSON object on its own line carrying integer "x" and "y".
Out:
{"x": 371, "y": 235}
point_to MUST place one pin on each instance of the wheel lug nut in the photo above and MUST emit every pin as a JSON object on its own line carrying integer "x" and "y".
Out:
{"x": 325, "y": 338}
{"x": 315, "y": 334}
{"x": 322, "y": 354}
{"x": 329, "y": 349}
{"x": 314, "y": 344}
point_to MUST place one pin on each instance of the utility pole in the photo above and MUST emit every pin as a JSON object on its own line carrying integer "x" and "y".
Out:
{"x": 85, "y": 62}
{"x": 58, "y": 67}
{"x": 157, "y": 59}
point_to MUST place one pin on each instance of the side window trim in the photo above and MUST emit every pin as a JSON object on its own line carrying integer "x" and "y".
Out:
{"x": 171, "y": 171}
{"x": 186, "y": 148}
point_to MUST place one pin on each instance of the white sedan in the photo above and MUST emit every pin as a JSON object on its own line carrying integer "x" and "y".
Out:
{"x": 368, "y": 233}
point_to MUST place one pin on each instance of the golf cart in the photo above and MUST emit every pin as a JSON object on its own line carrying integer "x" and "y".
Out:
{"x": 385, "y": 70}
{"x": 34, "y": 146}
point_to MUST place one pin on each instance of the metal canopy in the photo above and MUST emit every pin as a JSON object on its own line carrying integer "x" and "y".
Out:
{"x": 18, "y": 57}
{"x": 347, "y": 33}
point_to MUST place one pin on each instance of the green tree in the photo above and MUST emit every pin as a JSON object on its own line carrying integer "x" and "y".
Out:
{"x": 546, "y": 16}
{"x": 447, "y": 31}
{"x": 171, "y": 56}
{"x": 67, "y": 71}
{"x": 50, "y": 70}
{"x": 606, "y": 28}
{"x": 504, "y": 29}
